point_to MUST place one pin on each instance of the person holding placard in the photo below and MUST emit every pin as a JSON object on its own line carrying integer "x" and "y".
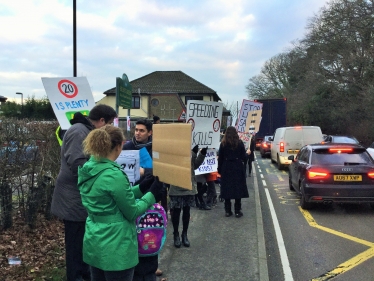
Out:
{"x": 66, "y": 200}
{"x": 110, "y": 243}
{"x": 147, "y": 266}
{"x": 182, "y": 199}
{"x": 250, "y": 155}
{"x": 231, "y": 168}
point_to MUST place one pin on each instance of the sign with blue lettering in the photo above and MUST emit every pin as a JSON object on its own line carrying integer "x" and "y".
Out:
{"x": 67, "y": 96}
{"x": 205, "y": 118}
{"x": 210, "y": 163}
{"x": 129, "y": 160}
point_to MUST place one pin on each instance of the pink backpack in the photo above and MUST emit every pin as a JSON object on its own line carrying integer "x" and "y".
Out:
{"x": 151, "y": 230}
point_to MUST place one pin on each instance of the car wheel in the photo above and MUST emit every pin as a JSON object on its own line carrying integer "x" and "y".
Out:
{"x": 303, "y": 203}
{"x": 280, "y": 166}
{"x": 290, "y": 182}
{"x": 272, "y": 161}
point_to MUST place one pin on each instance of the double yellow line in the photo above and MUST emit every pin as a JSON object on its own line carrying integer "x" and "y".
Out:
{"x": 349, "y": 264}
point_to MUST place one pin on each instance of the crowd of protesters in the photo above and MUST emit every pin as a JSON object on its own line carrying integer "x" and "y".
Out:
{"x": 98, "y": 205}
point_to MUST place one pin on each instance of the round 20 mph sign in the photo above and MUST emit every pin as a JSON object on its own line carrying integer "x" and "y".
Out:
{"x": 68, "y": 88}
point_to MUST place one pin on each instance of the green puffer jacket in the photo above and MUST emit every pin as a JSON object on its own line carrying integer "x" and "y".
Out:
{"x": 110, "y": 240}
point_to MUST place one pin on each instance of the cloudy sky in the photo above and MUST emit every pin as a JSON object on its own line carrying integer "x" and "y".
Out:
{"x": 220, "y": 43}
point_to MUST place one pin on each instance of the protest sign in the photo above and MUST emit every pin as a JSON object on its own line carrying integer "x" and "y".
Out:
{"x": 210, "y": 163}
{"x": 68, "y": 96}
{"x": 129, "y": 161}
{"x": 247, "y": 106}
{"x": 205, "y": 118}
{"x": 245, "y": 137}
{"x": 171, "y": 146}
{"x": 253, "y": 121}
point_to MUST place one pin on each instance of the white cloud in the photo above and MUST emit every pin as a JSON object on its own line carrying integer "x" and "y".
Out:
{"x": 221, "y": 43}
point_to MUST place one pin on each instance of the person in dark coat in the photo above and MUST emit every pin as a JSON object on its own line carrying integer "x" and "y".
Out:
{"x": 231, "y": 168}
{"x": 66, "y": 200}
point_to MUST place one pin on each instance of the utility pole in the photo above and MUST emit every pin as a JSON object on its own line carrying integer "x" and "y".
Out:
{"x": 75, "y": 37}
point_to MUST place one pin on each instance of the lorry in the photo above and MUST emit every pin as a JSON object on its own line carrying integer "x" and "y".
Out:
{"x": 274, "y": 116}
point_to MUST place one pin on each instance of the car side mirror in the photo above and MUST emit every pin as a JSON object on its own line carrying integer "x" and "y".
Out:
{"x": 292, "y": 158}
{"x": 270, "y": 139}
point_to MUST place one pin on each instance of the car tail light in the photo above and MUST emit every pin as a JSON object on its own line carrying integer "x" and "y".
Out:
{"x": 317, "y": 174}
{"x": 340, "y": 150}
{"x": 371, "y": 174}
{"x": 264, "y": 145}
{"x": 281, "y": 148}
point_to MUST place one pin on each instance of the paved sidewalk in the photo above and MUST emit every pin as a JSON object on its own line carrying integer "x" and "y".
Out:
{"x": 221, "y": 248}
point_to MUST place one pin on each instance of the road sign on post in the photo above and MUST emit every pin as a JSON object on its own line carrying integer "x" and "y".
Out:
{"x": 123, "y": 92}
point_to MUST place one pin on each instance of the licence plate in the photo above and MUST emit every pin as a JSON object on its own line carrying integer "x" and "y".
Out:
{"x": 293, "y": 151}
{"x": 347, "y": 178}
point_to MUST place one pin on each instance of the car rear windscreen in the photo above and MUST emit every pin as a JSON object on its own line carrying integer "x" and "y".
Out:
{"x": 324, "y": 157}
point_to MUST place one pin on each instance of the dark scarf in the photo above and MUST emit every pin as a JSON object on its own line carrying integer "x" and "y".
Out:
{"x": 79, "y": 118}
{"x": 139, "y": 145}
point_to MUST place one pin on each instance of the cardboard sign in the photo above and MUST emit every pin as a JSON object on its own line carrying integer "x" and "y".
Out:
{"x": 210, "y": 163}
{"x": 205, "y": 118}
{"x": 253, "y": 121}
{"x": 247, "y": 106}
{"x": 171, "y": 146}
{"x": 67, "y": 96}
{"x": 129, "y": 161}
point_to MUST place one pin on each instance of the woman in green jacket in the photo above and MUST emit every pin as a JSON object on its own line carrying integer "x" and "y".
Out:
{"x": 110, "y": 244}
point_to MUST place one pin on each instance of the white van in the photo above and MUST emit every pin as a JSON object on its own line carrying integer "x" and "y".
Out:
{"x": 288, "y": 141}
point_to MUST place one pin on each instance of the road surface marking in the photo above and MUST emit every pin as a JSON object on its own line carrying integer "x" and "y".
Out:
{"x": 349, "y": 264}
{"x": 278, "y": 233}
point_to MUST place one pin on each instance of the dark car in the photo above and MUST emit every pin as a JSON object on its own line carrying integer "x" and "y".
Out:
{"x": 265, "y": 147}
{"x": 339, "y": 139}
{"x": 327, "y": 173}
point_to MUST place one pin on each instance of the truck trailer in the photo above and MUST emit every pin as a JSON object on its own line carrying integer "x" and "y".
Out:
{"x": 274, "y": 116}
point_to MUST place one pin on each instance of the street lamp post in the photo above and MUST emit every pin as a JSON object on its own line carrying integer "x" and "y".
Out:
{"x": 21, "y": 102}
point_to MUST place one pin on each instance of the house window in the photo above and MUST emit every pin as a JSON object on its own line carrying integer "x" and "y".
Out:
{"x": 187, "y": 98}
{"x": 135, "y": 102}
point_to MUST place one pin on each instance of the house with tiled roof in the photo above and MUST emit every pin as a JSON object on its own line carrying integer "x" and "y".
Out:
{"x": 162, "y": 93}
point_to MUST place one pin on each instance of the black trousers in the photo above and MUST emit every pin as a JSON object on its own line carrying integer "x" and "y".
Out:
{"x": 76, "y": 268}
{"x": 121, "y": 275}
{"x": 248, "y": 161}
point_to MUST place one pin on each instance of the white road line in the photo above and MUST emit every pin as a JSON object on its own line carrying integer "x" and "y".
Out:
{"x": 259, "y": 170}
{"x": 278, "y": 233}
{"x": 262, "y": 176}
{"x": 264, "y": 182}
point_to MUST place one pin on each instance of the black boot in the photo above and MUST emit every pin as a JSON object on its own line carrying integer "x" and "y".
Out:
{"x": 185, "y": 241}
{"x": 228, "y": 208}
{"x": 238, "y": 207}
{"x": 177, "y": 240}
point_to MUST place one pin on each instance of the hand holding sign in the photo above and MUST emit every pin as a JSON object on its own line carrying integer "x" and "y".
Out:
{"x": 203, "y": 151}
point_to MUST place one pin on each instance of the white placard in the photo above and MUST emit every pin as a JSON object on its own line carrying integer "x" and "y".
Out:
{"x": 129, "y": 160}
{"x": 67, "y": 96}
{"x": 205, "y": 118}
{"x": 210, "y": 163}
{"x": 247, "y": 106}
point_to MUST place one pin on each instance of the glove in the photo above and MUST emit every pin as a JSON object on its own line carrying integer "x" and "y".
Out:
{"x": 195, "y": 149}
{"x": 146, "y": 183}
{"x": 158, "y": 189}
{"x": 203, "y": 150}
